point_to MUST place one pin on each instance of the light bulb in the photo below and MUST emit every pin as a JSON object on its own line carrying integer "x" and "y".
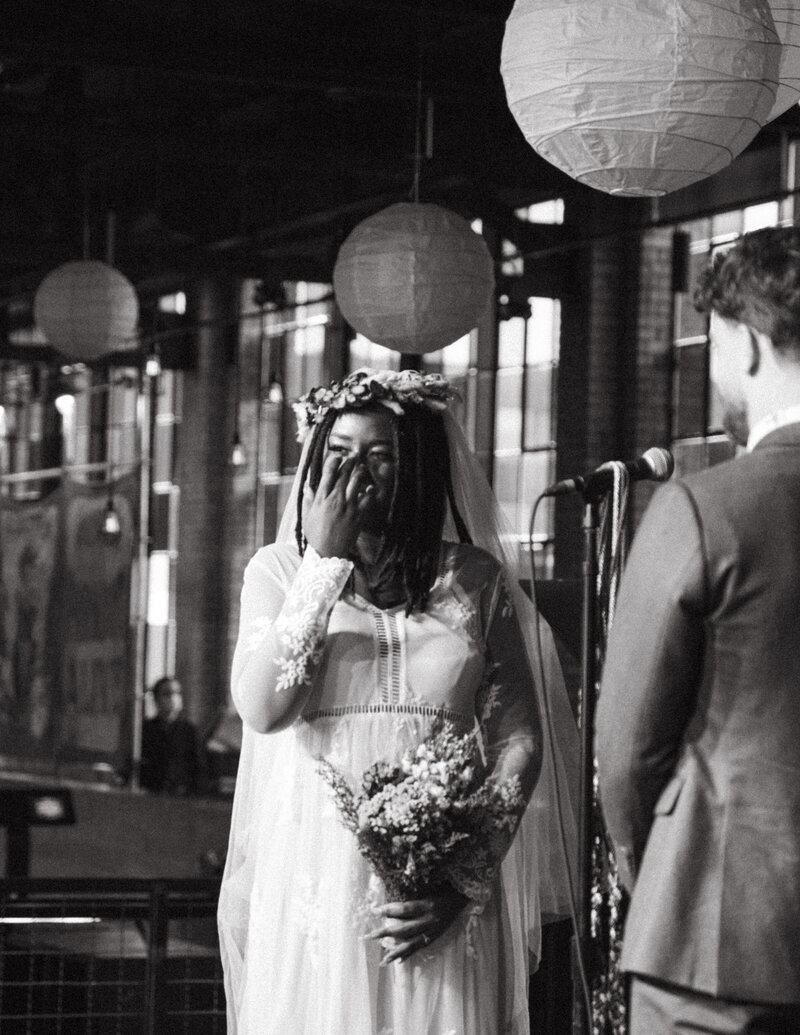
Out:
{"x": 153, "y": 366}
{"x": 238, "y": 454}
{"x": 112, "y": 527}
{"x": 65, "y": 404}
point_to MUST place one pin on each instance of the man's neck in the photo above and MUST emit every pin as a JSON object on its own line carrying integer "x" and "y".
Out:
{"x": 771, "y": 422}
{"x": 775, "y": 387}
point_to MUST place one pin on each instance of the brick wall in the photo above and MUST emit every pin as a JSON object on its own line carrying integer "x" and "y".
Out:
{"x": 615, "y": 370}
{"x": 592, "y": 389}
{"x": 650, "y": 419}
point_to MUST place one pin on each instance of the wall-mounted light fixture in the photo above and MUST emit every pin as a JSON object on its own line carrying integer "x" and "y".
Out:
{"x": 238, "y": 457}
{"x": 111, "y": 529}
{"x": 152, "y": 366}
{"x": 238, "y": 454}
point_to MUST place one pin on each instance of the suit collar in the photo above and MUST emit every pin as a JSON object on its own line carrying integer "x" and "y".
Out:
{"x": 777, "y": 419}
{"x": 784, "y": 435}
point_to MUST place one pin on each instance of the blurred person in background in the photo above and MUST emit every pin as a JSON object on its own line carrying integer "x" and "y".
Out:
{"x": 170, "y": 753}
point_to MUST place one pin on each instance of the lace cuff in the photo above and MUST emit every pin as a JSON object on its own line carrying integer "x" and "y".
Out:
{"x": 474, "y": 873}
{"x": 303, "y": 620}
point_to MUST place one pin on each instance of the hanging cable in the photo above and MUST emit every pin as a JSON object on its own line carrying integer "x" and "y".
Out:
{"x": 560, "y": 790}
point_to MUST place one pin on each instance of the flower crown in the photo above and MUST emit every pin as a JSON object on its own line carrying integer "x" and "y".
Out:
{"x": 395, "y": 389}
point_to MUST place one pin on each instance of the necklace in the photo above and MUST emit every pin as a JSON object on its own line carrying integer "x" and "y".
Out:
{"x": 378, "y": 579}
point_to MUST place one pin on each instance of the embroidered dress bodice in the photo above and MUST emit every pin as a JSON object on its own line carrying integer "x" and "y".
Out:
{"x": 387, "y": 661}
{"x": 355, "y": 684}
{"x": 373, "y": 660}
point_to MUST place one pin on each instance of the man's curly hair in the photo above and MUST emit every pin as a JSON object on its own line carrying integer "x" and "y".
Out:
{"x": 757, "y": 282}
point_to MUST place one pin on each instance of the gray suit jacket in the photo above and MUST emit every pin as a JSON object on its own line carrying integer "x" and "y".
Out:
{"x": 698, "y": 729}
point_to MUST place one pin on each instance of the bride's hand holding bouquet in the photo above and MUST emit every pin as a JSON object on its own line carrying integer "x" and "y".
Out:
{"x": 433, "y": 827}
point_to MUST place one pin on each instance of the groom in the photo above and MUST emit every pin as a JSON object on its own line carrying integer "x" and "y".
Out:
{"x": 698, "y": 724}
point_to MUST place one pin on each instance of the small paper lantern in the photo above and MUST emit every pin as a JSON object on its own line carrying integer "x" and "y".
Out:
{"x": 413, "y": 277}
{"x": 87, "y": 309}
{"x": 640, "y": 97}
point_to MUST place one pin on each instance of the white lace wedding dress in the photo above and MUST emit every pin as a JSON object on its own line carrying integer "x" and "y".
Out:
{"x": 295, "y": 906}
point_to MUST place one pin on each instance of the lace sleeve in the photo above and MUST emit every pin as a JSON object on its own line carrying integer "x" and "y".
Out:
{"x": 282, "y": 631}
{"x": 511, "y": 735}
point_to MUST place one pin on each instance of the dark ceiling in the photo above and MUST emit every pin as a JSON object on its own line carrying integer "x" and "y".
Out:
{"x": 248, "y": 135}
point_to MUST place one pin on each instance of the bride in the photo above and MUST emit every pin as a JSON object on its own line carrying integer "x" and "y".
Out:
{"x": 383, "y": 608}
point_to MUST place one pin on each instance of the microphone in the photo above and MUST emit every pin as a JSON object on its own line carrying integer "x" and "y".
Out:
{"x": 655, "y": 465}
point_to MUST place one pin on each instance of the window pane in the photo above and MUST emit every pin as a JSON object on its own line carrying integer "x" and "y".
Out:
{"x": 690, "y": 323}
{"x": 303, "y": 369}
{"x": 543, "y": 331}
{"x": 365, "y": 353}
{"x": 511, "y": 342}
{"x": 699, "y": 454}
{"x": 506, "y": 486}
{"x": 309, "y": 341}
{"x": 453, "y": 360}
{"x": 543, "y": 212}
{"x": 758, "y": 216}
{"x": 687, "y": 324}
{"x": 691, "y": 372}
{"x": 537, "y": 473}
{"x": 698, "y": 229}
{"x": 508, "y": 410}
{"x": 726, "y": 223}
{"x": 163, "y": 439}
{"x": 269, "y": 453}
{"x": 538, "y": 406}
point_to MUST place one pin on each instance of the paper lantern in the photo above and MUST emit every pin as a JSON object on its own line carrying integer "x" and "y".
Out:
{"x": 640, "y": 97}
{"x": 787, "y": 25}
{"x": 413, "y": 277}
{"x": 87, "y": 309}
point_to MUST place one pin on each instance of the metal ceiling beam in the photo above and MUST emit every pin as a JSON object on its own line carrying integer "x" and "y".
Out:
{"x": 282, "y": 45}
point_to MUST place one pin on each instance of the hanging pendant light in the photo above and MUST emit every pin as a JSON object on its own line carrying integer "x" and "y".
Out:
{"x": 111, "y": 528}
{"x": 787, "y": 25}
{"x": 274, "y": 390}
{"x": 640, "y": 97}
{"x": 87, "y": 309}
{"x": 152, "y": 365}
{"x": 238, "y": 454}
{"x": 413, "y": 277}
{"x": 238, "y": 457}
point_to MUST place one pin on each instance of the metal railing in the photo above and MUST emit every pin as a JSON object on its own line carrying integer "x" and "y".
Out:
{"x": 110, "y": 957}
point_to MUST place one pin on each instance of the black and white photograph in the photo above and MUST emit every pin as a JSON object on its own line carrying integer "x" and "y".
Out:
{"x": 400, "y": 517}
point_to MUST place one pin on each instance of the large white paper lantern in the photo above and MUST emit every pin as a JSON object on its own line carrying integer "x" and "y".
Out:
{"x": 787, "y": 24}
{"x": 640, "y": 97}
{"x": 87, "y": 309}
{"x": 413, "y": 277}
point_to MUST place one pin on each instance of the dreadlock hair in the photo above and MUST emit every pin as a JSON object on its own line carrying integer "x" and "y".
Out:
{"x": 422, "y": 491}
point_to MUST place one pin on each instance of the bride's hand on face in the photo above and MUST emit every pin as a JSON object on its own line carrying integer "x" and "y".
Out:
{"x": 406, "y": 927}
{"x": 332, "y": 514}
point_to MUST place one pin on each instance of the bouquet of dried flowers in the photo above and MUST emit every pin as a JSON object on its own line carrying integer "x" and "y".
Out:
{"x": 433, "y": 818}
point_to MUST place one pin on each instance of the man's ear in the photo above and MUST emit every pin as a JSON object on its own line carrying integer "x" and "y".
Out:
{"x": 756, "y": 351}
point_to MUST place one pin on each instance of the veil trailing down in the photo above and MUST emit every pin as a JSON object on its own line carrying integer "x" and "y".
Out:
{"x": 297, "y": 900}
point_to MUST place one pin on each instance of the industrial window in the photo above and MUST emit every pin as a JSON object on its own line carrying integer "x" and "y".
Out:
{"x": 524, "y": 427}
